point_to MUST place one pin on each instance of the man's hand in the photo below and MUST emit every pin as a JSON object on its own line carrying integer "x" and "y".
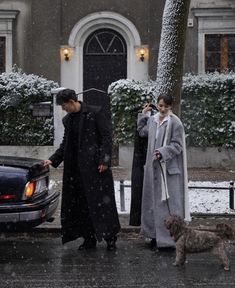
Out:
{"x": 102, "y": 168}
{"x": 46, "y": 163}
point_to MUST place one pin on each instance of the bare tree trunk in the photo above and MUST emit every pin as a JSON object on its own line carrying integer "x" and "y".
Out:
{"x": 171, "y": 51}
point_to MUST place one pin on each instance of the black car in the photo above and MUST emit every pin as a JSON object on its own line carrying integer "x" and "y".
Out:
{"x": 27, "y": 197}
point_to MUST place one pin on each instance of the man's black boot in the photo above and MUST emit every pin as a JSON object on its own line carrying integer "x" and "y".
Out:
{"x": 89, "y": 243}
{"x": 111, "y": 243}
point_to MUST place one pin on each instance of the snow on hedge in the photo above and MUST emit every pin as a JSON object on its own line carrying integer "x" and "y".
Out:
{"x": 18, "y": 91}
{"x": 208, "y": 108}
{"x": 127, "y": 98}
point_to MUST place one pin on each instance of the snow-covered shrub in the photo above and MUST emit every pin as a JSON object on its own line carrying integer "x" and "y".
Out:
{"x": 18, "y": 91}
{"x": 127, "y": 98}
{"x": 208, "y": 108}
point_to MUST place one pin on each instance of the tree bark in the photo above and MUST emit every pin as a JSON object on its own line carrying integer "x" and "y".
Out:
{"x": 171, "y": 51}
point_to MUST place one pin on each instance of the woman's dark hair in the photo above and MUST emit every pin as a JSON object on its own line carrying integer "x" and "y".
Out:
{"x": 65, "y": 95}
{"x": 166, "y": 98}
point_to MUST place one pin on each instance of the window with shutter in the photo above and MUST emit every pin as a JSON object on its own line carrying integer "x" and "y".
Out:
{"x": 219, "y": 52}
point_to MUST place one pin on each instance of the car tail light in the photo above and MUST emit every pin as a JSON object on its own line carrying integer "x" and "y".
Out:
{"x": 29, "y": 189}
{"x": 7, "y": 197}
{"x": 35, "y": 188}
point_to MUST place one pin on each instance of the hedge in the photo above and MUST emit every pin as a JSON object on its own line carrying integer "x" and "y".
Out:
{"x": 18, "y": 91}
{"x": 208, "y": 108}
{"x": 127, "y": 98}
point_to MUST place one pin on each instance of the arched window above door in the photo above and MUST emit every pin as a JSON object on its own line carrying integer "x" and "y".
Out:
{"x": 105, "y": 42}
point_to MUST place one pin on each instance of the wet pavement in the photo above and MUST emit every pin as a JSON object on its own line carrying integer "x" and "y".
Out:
{"x": 37, "y": 258}
{"x": 40, "y": 262}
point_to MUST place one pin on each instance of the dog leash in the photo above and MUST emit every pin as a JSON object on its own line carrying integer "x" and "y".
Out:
{"x": 164, "y": 180}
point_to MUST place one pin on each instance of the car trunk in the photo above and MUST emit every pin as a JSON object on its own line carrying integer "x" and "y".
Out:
{"x": 15, "y": 172}
{"x": 12, "y": 183}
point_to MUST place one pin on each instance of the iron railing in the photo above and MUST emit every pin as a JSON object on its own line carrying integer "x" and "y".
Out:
{"x": 230, "y": 188}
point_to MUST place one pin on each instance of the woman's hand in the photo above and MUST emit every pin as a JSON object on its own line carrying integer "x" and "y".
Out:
{"x": 158, "y": 155}
{"x": 146, "y": 108}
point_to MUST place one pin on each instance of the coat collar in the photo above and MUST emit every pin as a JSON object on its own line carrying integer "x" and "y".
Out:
{"x": 83, "y": 107}
{"x": 81, "y": 122}
{"x": 156, "y": 119}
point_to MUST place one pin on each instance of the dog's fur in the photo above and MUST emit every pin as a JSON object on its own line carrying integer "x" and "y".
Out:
{"x": 191, "y": 240}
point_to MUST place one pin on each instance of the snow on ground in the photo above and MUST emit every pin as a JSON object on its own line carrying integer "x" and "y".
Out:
{"x": 201, "y": 200}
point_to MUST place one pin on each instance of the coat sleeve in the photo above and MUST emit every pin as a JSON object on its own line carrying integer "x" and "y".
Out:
{"x": 58, "y": 156}
{"x": 143, "y": 125}
{"x": 175, "y": 146}
{"x": 105, "y": 132}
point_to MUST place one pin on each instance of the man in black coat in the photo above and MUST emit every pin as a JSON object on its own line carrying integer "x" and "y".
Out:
{"x": 88, "y": 202}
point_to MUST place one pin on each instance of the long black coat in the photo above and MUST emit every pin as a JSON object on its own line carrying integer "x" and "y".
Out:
{"x": 94, "y": 148}
{"x": 137, "y": 175}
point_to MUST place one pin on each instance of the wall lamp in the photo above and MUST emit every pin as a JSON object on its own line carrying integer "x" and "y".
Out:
{"x": 142, "y": 53}
{"x": 66, "y": 54}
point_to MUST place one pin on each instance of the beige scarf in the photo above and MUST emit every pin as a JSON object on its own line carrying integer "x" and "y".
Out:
{"x": 165, "y": 193}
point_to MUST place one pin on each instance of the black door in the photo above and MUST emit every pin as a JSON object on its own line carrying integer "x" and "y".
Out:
{"x": 105, "y": 61}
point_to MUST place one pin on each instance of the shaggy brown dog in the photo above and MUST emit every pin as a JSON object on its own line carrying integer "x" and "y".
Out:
{"x": 197, "y": 240}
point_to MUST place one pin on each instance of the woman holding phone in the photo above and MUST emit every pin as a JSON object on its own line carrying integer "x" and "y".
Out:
{"x": 165, "y": 173}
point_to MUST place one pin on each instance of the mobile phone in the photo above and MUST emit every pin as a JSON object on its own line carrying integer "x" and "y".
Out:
{"x": 153, "y": 106}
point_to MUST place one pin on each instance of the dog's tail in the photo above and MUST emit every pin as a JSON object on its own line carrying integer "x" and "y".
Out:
{"x": 225, "y": 231}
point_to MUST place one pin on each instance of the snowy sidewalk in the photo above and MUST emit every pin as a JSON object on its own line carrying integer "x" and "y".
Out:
{"x": 205, "y": 202}
{"x": 213, "y": 201}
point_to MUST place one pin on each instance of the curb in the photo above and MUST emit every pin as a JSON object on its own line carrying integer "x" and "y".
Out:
{"x": 55, "y": 231}
{"x": 136, "y": 229}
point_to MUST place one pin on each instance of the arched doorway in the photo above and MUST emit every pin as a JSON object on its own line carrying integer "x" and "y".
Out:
{"x": 104, "y": 61}
{"x": 72, "y": 71}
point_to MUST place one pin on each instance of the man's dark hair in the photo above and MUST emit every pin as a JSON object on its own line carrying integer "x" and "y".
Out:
{"x": 166, "y": 98}
{"x": 65, "y": 95}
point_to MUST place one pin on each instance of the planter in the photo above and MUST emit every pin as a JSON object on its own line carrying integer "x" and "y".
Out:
{"x": 211, "y": 157}
{"x": 126, "y": 156}
{"x": 38, "y": 152}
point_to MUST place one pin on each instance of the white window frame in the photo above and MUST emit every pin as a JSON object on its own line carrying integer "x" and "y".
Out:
{"x": 212, "y": 21}
{"x": 6, "y": 30}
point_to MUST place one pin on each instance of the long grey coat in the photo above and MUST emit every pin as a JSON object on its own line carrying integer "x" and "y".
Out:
{"x": 154, "y": 210}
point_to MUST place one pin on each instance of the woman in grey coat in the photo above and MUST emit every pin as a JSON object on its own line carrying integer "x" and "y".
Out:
{"x": 165, "y": 172}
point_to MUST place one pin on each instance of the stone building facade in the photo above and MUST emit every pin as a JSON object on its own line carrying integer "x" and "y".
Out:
{"x": 83, "y": 44}
{"x": 89, "y": 44}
